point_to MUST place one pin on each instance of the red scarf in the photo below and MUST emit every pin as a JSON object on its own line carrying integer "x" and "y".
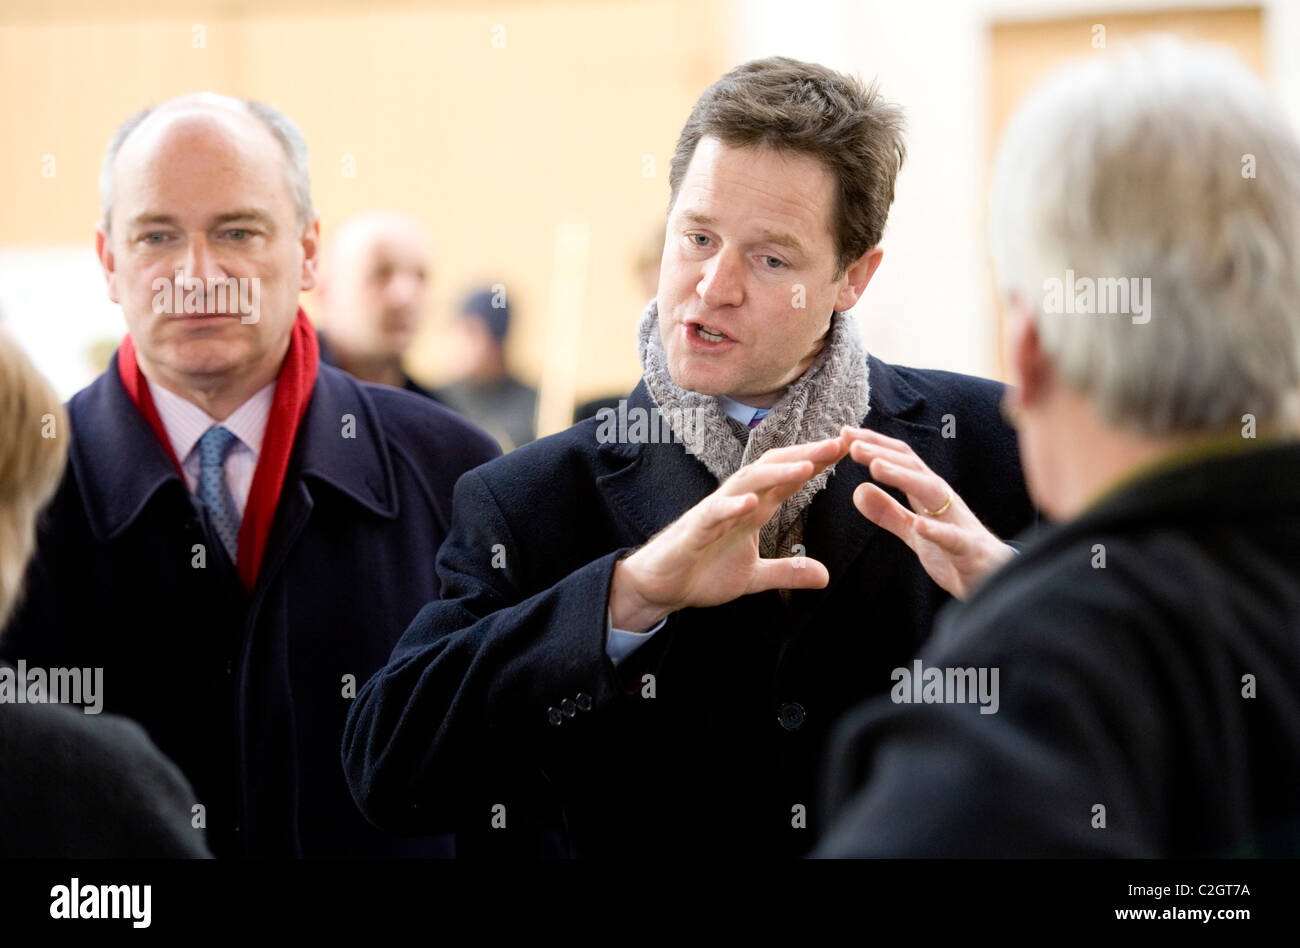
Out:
{"x": 293, "y": 389}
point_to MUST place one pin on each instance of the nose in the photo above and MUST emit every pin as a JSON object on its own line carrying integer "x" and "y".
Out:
{"x": 405, "y": 289}
{"x": 200, "y": 262}
{"x": 722, "y": 283}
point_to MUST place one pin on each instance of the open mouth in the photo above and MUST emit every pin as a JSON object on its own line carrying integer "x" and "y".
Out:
{"x": 708, "y": 333}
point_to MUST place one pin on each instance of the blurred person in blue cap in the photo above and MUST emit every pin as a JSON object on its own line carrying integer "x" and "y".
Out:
{"x": 488, "y": 394}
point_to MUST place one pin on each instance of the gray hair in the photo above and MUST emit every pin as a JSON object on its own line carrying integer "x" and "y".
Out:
{"x": 1169, "y": 163}
{"x": 285, "y": 130}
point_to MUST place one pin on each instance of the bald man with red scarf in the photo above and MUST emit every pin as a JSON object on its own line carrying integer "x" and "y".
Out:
{"x": 243, "y": 532}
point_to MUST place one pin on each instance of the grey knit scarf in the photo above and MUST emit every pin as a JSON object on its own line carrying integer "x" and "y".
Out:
{"x": 833, "y": 392}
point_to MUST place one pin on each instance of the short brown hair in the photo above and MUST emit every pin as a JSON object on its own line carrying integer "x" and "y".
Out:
{"x": 800, "y": 107}
{"x": 32, "y": 454}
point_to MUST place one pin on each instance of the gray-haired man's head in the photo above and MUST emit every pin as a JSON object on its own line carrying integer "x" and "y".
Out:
{"x": 1146, "y": 213}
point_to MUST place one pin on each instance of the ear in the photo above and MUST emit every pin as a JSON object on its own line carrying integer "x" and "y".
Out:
{"x": 104, "y": 250}
{"x": 856, "y": 278}
{"x": 1031, "y": 369}
{"x": 310, "y": 252}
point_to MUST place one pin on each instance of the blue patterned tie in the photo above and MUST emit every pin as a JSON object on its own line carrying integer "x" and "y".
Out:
{"x": 212, "y": 489}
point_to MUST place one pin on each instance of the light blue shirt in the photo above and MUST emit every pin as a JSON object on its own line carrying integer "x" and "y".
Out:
{"x": 619, "y": 643}
{"x": 741, "y": 412}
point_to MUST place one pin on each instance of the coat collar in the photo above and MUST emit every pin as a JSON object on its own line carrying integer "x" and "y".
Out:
{"x": 1234, "y": 489}
{"x": 1250, "y": 480}
{"x": 119, "y": 464}
{"x": 118, "y": 461}
{"x": 341, "y": 442}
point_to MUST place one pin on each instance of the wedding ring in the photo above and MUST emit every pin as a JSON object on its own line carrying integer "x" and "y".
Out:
{"x": 935, "y": 513}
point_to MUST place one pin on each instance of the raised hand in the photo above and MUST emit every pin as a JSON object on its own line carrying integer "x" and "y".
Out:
{"x": 709, "y": 555}
{"x": 952, "y": 545}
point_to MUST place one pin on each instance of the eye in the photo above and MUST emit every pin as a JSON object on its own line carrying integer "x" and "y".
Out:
{"x": 772, "y": 263}
{"x": 149, "y": 237}
{"x": 702, "y": 237}
{"x": 237, "y": 233}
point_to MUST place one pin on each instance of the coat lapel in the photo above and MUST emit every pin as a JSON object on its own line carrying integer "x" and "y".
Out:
{"x": 117, "y": 459}
{"x": 340, "y": 443}
{"x": 651, "y": 485}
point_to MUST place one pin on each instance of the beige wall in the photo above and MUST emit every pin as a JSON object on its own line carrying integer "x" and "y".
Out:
{"x": 492, "y": 147}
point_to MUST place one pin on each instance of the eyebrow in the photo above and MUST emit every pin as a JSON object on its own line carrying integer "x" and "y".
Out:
{"x": 789, "y": 241}
{"x": 243, "y": 214}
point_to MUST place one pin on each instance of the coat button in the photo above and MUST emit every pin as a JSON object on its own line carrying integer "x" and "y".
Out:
{"x": 791, "y": 715}
{"x": 568, "y": 708}
{"x": 583, "y": 701}
{"x": 554, "y": 716}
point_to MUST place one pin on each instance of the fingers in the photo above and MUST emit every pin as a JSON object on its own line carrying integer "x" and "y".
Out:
{"x": 948, "y": 537}
{"x": 724, "y": 508}
{"x": 822, "y": 453}
{"x": 926, "y": 488}
{"x": 764, "y": 477}
{"x": 792, "y": 572}
{"x": 904, "y": 470}
{"x": 754, "y": 487}
{"x": 871, "y": 437}
{"x": 882, "y": 510}
{"x": 865, "y": 453}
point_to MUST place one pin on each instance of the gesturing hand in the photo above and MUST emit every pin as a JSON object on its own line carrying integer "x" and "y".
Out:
{"x": 709, "y": 555}
{"x": 953, "y": 546}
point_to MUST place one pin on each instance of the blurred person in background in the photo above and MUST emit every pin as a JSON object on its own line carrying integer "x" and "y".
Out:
{"x": 243, "y": 532}
{"x": 486, "y": 392}
{"x": 373, "y": 289}
{"x": 656, "y": 622}
{"x": 74, "y": 783}
{"x": 1147, "y": 645}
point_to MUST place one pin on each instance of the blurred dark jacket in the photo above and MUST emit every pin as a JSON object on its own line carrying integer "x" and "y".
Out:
{"x": 328, "y": 357}
{"x": 89, "y": 786}
{"x": 1163, "y": 686}
{"x": 505, "y": 409}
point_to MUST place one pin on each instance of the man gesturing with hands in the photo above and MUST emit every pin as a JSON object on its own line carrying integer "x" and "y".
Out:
{"x": 649, "y": 622}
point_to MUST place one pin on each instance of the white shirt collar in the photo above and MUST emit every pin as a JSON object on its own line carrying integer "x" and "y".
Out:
{"x": 186, "y": 422}
{"x": 740, "y": 411}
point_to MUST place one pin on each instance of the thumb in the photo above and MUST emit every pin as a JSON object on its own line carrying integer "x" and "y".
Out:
{"x": 789, "y": 572}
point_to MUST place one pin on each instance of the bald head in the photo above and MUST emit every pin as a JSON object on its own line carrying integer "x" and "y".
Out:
{"x": 242, "y": 116}
{"x": 374, "y": 281}
{"x": 205, "y": 191}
